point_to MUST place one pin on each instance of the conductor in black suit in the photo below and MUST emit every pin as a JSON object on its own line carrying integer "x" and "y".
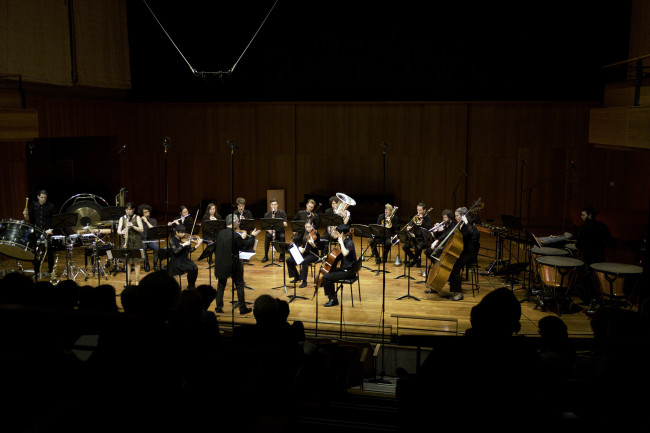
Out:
{"x": 227, "y": 262}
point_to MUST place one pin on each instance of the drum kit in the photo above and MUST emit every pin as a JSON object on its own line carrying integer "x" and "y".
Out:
{"x": 80, "y": 221}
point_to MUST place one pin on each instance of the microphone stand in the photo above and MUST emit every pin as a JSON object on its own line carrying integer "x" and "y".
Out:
{"x": 30, "y": 147}
{"x": 380, "y": 379}
{"x": 166, "y": 146}
{"x": 233, "y": 146}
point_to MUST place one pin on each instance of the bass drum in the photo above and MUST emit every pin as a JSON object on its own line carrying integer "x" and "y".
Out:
{"x": 15, "y": 240}
{"x": 87, "y": 207}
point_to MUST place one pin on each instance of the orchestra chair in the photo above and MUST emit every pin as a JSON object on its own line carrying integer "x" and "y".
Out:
{"x": 354, "y": 278}
{"x": 471, "y": 275}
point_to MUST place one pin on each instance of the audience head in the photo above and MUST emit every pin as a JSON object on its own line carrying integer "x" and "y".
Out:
{"x": 208, "y": 294}
{"x": 160, "y": 292}
{"x": 497, "y": 315}
{"x": 266, "y": 310}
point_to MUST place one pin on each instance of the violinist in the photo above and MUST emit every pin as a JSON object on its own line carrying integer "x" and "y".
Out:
{"x": 230, "y": 242}
{"x": 309, "y": 250}
{"x": 180, "y": 263}
{"x": 271, "y": 235}
{"x": 469, "y": 255}
{"x": 130, "y": 226}
{"x": 346, "y": 244}
{"x": 389, "y": 220}
{"x": 440, "y": 232}
{"x": 421, "y": 221}
{"x": 303, "y": 215}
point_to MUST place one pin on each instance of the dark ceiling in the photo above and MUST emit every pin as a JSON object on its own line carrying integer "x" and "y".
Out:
{"x": 375, "y": 51}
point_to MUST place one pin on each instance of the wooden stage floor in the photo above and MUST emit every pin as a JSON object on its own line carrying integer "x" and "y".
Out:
{"x": 428, "y": 314}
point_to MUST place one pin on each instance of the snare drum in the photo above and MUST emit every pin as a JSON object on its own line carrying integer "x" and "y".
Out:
{"x": 610, "y": 277}
{"x": 15, "y": 237}
{"x": 88, "y": 239}
{"x": 74, "y": 240}
{"x": 57, "y": 243}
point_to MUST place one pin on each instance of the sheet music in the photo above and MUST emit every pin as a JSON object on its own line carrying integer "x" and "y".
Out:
{"x": 295, "y": 253}
{"x": 245, "y": 256}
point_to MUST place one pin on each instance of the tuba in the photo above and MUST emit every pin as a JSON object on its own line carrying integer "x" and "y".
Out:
{"x": 344, "y": 202}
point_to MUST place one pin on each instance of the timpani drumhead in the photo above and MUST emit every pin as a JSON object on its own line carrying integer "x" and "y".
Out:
{"x": 611, "y": 276}
{"x": 557, "y": 271}
{"x": 547, "y": 251}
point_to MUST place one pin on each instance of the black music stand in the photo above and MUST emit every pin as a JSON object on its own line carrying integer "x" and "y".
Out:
{"x": 113, "y": 213}
{"x": 377, "y": 231}
{"x": 211, "y": 229}
{"x": 276, "y": 224}
{"x": 283, "y": 247}
{"x": 428, "y": 240}
{"x": 363, "y": 231}
{"x": 405, "y": 239}
{"x": 62, "y": 221}
{"x": 126, "y": 254}
{"x": 249, "y": 226}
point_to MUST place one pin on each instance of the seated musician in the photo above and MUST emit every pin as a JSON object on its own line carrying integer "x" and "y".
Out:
{"x": 271, "y": 235}
{"x": 242, "y": 212}
{"x": 469, "y": 255}
{"x": 180, "y": 263}
{"x": 184, "y": 219}
{"x": 309, "y": 250}
{"x": 440, "y": 232}
{"x": 41, "y": 214}
{"x": 421, "y": 221}
{"x": 210, "y": 236}
{"x": 149, "y": 244}
{"x": 328, "y": 235}
{"x": 130, "y": 226}
{"x": 392, "y": 226}
{"x": 303, "y": 215}
{"x": 341, "y": 272}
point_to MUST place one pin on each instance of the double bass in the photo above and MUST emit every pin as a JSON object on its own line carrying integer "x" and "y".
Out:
{"x": 332, "y": 259}
{"x": 452, "y": 246}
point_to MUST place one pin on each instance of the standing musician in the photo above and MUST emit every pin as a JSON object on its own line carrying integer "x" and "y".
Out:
{"x": 391, "y": 222}
{"x": 469, "y": 255}
{"x": 440, "y": 232}
{"x": 147, "y": 223}
{"x": 40, "y": 214}
{"x": 184, "y": 218}
{"x": 180, "y": 263}
{"x": 421, "y": 221}
{"x": 304, "y": 215}
{"x": 242, "y": 212}
{"x": 130, "y": 226}
{"x": 210, "y": 214}
{"x": 309, "y": 250}
{"x": 342, "y": 271}
{"x": 228, "y": 264}
{"x": 271, "y": 235}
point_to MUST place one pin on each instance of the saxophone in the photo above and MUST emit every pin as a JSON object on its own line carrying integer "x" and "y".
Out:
{"x": 126, "y": 231}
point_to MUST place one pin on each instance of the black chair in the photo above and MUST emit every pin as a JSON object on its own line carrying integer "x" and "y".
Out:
{"x": 353, "y": 278}
{"x": 471, "y": 275}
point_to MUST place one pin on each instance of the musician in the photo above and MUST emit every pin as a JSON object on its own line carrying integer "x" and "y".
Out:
{"x": 440, "y": 231}
{"x": 309, "y": 250}
{"x": 41, "y": 214}
{"x": 180, "y": 263}
{"x": 184, "y": 219}
{"x": 330, "y": 231}
{"x": 228, "y": 264}
{"x": 210, "y": 236}
{"x": 346, "y": 244}
{"x": 148, "y": 222}
{"x": 271, "y": 235}
{"x": 593, "y": 237}
{"x": 130, "y": 226}
{"x": 421, "y": 221}
{"x": 304, "y": 215}
{"x": 242, "y": 212}
{"x": 382, "y": 220}
{"x": 469, "y": 255}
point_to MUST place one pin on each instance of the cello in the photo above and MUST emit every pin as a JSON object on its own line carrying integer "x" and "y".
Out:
{"x": 333, "y": 258}
{"x": 452, "y": 246}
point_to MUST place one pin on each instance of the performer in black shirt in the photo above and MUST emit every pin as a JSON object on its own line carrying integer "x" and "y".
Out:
{"x": 440, "y": 231}
{"x": 147, "y": 223}
{"x": 346, "y": 244}
{"x": 180, "y": 263}
{"x": 593, "y": 237}
{"x": 40, "y": 214}
{"x": 228, "y": 264}
{"x": 385, "y": 219}
{"x": 471, "y": 245}
{"x": 242, "y": 212}
{"x": 303, "y": 215}
{"x": 184, "y": 219}
{"x": 330, "y": 231}
{"x": 271, "y": 235}
{"x": 309, "y": 250}
{"x": 421, "y": 221}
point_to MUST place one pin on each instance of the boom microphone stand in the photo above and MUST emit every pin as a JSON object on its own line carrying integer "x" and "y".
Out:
{"x": 167, "y": 144}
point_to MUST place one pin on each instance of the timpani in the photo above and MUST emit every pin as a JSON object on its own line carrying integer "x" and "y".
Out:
{"x": 610, "y": 278}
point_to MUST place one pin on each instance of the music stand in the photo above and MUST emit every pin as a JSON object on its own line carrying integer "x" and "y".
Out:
{"x": 126, "y": 254}
{"x": 112, "y": 213}
{"x": 283, "y": 247}
{"x": 405, "y": 239}
{"x": 276, "y": 224}
{"x": 377, "y": 231}
{"x": 428, "y": 240}
{"x": 249, "y": 226}
{"x": 363, "y": 231}
{"x": 62, "y": 221}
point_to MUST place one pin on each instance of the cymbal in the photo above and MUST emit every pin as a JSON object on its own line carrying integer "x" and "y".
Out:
{"x": 103, "y": 224}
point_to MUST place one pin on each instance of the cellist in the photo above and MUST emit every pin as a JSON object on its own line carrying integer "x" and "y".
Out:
{"x": 469, "y": 255}
{"x": 341, "y": 272}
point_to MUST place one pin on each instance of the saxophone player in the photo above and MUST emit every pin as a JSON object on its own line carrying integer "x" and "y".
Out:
{"x": 389, "y": 220}
{"x": 130, "y": 226}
